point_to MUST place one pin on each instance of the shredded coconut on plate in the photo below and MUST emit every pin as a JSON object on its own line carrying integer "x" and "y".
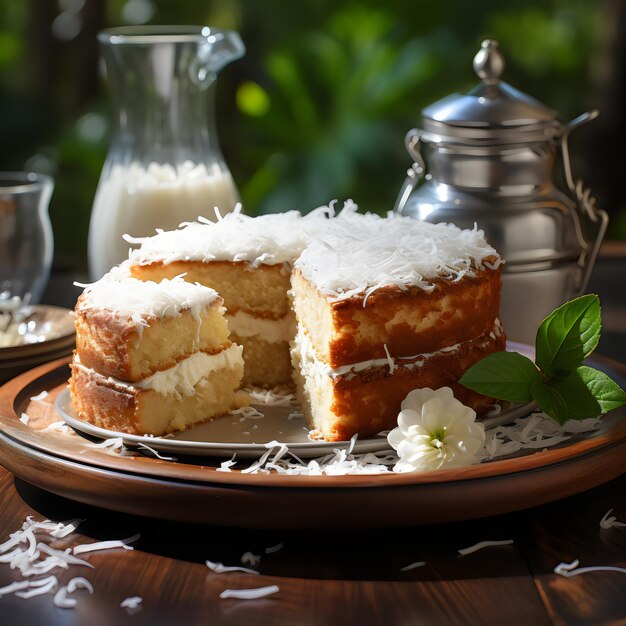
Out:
{"x": 114, "y": 443}
{"x": 536, "y": 431}
{"x": 249, "y": 594}
{"x": 162, "y": 457}
{"x": 59, "y": 426}
{"x": 484, "y": 544}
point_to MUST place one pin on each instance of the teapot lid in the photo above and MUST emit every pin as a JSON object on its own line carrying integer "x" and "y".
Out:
{"x": 493, "y": 109}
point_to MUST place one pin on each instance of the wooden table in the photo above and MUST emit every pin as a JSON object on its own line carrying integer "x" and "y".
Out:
{"x": 331, "y": 578}
{"x": 336, "y": 577}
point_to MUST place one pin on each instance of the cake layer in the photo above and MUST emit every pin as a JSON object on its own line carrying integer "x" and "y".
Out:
{"x": 260, "y": 291}
{"x": 408, "y": 321}
{"x": 267, "y": 364}
{"x": 193, "y": 391}
{"x": 365, "y": 397}
{"x": 269, "y": 330}
{"x": 133, "y": 347}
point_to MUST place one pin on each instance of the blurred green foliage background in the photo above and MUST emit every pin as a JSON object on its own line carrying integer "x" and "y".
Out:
{"x": 319, "y": 106}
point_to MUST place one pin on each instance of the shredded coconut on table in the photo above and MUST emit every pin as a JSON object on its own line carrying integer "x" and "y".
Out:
{"x": 247, "y": 558}
{"x": 484, "y": 544}
{"x": 25, "y": 419}
{"x": 24, "y": 551}
{"x": 61, "y": 597}
{"x": 131, "y": 603}
{"x": 610, "y": 521}
{"x": 272, "y": 549}
{"x": 571, "y": 569}
{"x": 249, "y": 594}
{"x": 408, "y": 568}
{"x": 40, "y": 396}
{"x": 106, "y": 545}
{"x": 220, "y": 568}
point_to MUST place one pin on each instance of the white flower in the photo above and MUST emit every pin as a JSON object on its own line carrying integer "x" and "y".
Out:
{"x": 435, "y": 431}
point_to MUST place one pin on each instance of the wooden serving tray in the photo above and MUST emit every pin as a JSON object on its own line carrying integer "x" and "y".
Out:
{"x": 193, "y": 491}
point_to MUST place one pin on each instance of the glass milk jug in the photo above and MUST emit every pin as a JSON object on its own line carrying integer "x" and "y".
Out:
{"x": 164, "y": 166}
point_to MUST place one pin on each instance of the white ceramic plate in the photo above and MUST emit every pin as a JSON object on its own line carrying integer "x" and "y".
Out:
{"x": 245, "y": 436}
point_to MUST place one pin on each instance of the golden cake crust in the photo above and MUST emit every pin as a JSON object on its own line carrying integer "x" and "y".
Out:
{"x": 111, "y": 344}
{"x": 408, "y": 321}
{"x": 112, "y": 405}
{"x": 369, "y": 401}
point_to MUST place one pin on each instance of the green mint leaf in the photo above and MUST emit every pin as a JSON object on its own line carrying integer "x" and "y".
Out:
{"x": 568, "y": 336}
{"x": 503, "y": 375}
{"x": 605, "y": 390}
{"x": 586, "y": 392}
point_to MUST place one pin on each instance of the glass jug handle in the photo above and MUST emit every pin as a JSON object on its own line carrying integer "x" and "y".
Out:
{"x": 412, "y": 142}
{"x": 585, "y": 202}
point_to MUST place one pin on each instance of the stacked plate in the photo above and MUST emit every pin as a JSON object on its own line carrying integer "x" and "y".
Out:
{"x": 50, "y": 336}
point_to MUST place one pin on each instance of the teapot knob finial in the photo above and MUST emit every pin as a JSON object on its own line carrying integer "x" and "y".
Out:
{"x": 489, "y": 63}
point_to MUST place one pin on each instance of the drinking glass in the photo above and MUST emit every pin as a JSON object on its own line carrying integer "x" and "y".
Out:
{"x": 25, "y": 234}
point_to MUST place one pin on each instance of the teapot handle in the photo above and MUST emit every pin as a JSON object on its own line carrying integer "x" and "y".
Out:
{"x": 415, "y": 172}
{"x": 585, "y": 202}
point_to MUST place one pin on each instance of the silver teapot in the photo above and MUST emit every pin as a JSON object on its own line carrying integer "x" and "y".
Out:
{"x": 488, "y": 158}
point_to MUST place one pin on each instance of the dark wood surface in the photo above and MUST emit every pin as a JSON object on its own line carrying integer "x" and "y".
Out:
{"x": 349, "y": 577}
{"x": 328, "y": 577}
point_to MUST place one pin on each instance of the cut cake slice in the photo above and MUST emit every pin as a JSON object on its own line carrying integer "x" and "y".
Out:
{"x": 152, "y": 358}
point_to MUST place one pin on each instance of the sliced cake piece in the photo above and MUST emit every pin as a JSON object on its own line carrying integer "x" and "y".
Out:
{"x": 131, "y": 329}
{"x": 385, "y": 306}
{"x": 152, "y": 357}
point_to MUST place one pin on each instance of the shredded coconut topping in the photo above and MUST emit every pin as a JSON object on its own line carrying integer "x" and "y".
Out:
{"x": 140, "y": 300}
{"x": 363, "y": 253}
{"x": 344, "y": 254}
{"x": 266, "y": 239}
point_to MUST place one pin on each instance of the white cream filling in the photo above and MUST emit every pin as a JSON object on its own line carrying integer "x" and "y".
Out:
{"x": 182, "y": 378}
{"x": 272, "y": 331}
{"x": 312, "y": 367}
